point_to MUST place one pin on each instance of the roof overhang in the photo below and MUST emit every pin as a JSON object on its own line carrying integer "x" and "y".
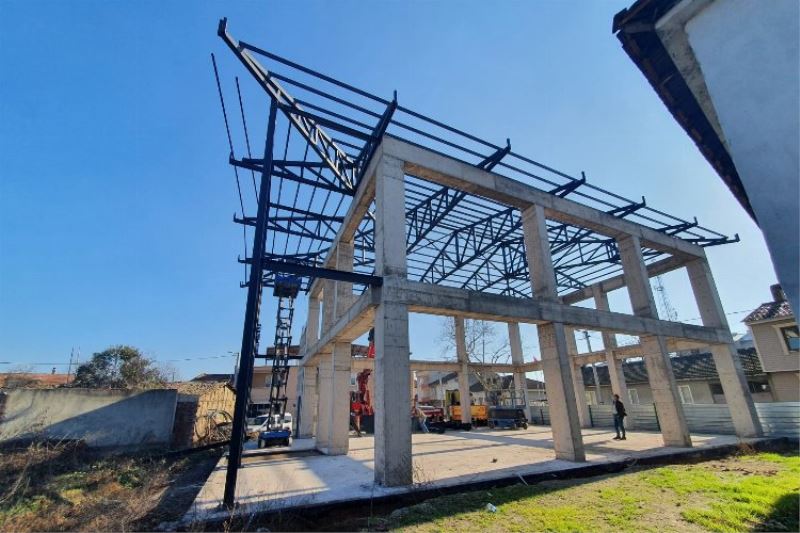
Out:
{"x": 641, "y": 31}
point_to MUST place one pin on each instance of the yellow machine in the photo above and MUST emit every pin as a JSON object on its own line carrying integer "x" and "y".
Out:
{"x": 478, "y": 413}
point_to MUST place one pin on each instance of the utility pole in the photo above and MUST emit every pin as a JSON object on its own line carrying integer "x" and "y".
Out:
{"x": 69, "y": 367}
{"x": 587, "y": 338}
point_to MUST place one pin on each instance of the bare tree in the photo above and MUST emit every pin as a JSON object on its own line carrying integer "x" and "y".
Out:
{"x": 484, "y": 346}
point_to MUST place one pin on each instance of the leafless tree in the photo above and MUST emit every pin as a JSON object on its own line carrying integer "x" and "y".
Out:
{"x": 484, "y": 346}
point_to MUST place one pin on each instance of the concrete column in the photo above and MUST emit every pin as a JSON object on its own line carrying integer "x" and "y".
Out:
{"x": 556, "y": 365}
{"x": 339, "y": 412}
{"x": 325, "y": 388}
{"x": 557, "y": 370}
{"x": 463, "y": 375}
{"x": 656, "y": 357}
{"x": 324, "y": 400}
{"x": 328, "y": 304}
{"x": 312, "y": 321}
{"x": 726, "y": 359}
{"x": 308, "y": 408}
{"x": 393, "y": 462}
{"x": 577, "y": 381}
{"x": 518, "y": 359}
{"x": 615, "y": 372}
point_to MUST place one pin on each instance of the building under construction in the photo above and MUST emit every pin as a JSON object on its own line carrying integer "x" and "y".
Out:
{"x": 376, "y": 211}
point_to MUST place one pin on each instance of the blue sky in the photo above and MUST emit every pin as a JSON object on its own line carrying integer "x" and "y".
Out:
{"x": 116, "y": 197}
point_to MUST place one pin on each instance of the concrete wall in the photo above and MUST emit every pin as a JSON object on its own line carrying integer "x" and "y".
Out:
{"x": 741, "y": 65}
{"x": 102, "y": 418}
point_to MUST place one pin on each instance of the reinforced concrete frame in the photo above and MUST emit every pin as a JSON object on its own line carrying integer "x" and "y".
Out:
{"x": 418, "y": 228}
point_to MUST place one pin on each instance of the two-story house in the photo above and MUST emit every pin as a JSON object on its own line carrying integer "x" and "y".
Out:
{"x": 777, "y": 341}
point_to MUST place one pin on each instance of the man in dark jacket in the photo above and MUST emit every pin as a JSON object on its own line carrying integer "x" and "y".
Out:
{"x": 619, "y": 418}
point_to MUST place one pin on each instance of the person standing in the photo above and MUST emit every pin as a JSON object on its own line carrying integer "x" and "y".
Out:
{"x": 619, "y": 418}
{"x": 422, "y": 419}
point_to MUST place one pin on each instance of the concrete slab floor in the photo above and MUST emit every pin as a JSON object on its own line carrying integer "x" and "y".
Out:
{"x": 281, "y": 481}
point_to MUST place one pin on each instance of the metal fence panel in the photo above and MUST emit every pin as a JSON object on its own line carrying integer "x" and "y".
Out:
{"x": 779, "y": 419}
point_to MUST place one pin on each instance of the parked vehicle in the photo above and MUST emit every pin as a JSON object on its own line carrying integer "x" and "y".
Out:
{"x": 261, "y": 424}
{"x": 507, "y": 417}
{"x": 274, "y": 437}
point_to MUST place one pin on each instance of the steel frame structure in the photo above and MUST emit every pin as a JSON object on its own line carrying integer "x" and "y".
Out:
{"x": 308, "y": 178}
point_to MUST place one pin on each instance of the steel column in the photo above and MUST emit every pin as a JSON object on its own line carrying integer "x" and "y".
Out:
{"x": 250, "y": 330}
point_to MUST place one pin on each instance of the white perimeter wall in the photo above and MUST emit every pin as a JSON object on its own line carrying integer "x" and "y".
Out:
{"x": 749, "y": 55}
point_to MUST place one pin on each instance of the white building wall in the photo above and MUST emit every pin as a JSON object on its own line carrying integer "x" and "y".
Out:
{"x": 748, "y": 53}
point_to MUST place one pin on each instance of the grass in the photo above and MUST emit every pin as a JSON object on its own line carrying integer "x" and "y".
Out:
{"x": 66, "y": 487}
{"x": 743, "y": 493}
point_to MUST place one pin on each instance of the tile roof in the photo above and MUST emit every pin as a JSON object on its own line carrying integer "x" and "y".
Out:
{"x": 685, "y": 367}
{"x": 770, "y": 310}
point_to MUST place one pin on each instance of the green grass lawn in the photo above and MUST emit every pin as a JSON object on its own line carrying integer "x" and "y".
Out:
{"x": 744, "y": 493}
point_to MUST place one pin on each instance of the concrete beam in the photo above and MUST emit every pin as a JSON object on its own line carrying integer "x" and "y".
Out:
{"x": 657, "y": 268}
{"x": 450, "y": 301}
{"x": 360, "y": 363}
{"x": 458, "y": 175}
{"x": 356, "y": 321}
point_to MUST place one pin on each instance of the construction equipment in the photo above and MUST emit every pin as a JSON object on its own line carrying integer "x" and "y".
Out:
{"x": 286, "y": 290}
{"x": 479, "y": 414}
{"x": 507, "y": 417}
{"x": 361, "y": 410}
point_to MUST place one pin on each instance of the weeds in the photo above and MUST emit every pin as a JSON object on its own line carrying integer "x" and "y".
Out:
{"x": 64, "y": 486}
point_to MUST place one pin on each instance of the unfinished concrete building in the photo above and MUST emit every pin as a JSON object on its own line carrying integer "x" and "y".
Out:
{"x": 384, "y": 212}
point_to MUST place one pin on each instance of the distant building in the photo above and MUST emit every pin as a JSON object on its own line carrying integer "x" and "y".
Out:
{"x": 775, "y": 333}
{"x": 695, "y": 374}
{"x": 436, "y": 388}
{"x": 26, "y": 380}
{"x": 727, "y": 71}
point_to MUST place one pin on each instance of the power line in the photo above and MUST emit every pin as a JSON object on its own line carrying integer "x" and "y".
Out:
{"x": 199, "y": 358}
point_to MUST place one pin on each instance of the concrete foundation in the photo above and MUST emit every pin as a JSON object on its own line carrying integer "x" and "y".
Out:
{"x": 280, "y": 481}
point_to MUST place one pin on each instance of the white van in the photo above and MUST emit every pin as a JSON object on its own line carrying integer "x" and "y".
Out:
{"x": 260, "y": 424}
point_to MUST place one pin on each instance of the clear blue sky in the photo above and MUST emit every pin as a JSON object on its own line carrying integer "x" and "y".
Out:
{"x": 115, "y": 193}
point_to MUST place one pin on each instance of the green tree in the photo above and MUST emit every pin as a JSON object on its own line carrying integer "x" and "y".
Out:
{"x": 118, "y": 367}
